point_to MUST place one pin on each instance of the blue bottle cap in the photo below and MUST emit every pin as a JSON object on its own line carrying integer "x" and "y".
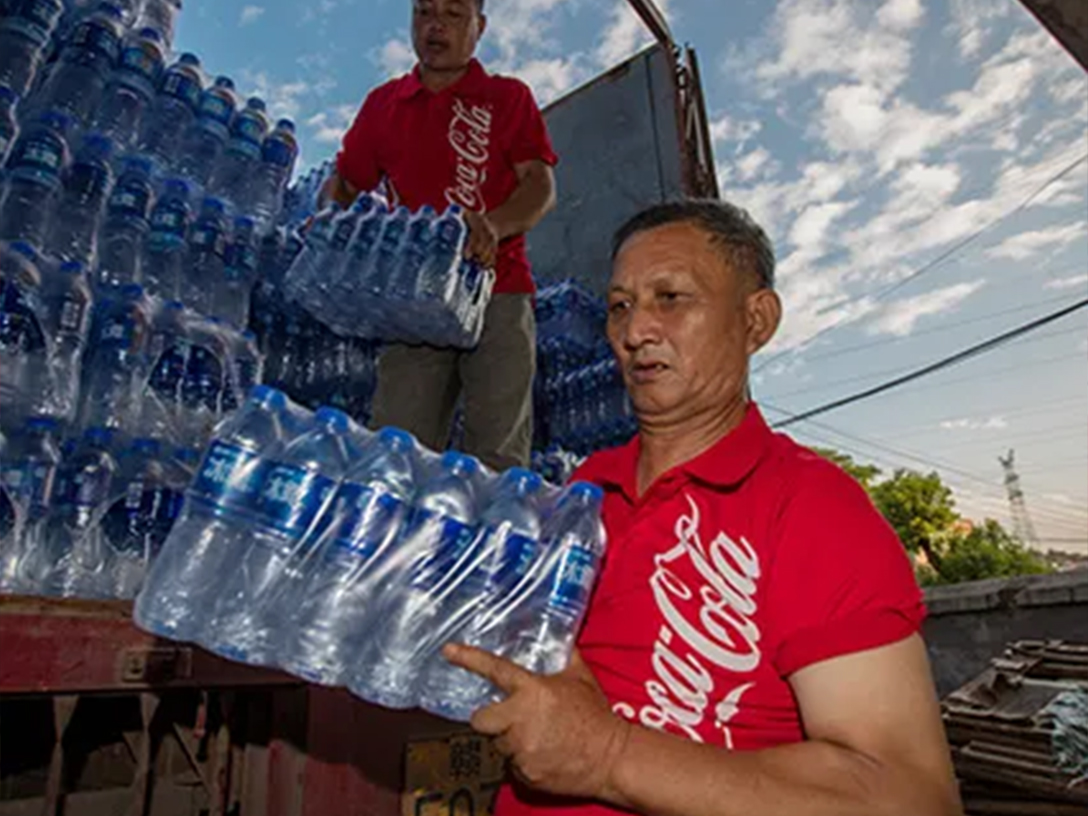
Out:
{"x": 454, "y": 460}
{"x": 248, "y": 335}
{"x": 24, "y": 249}
{"x": 286, "y": 124}
{"x": 525, "y": 480}
{"x": 41, "y": 423}
{"x": 427, "y": 210}
{"x": 189, "y": 58}
{"x": 268, "y": 397}
{"x": 110, "y": 10}
{"x": 586, "y": 490}
{"x": 72, "y": 268}
{"x": 256, "y": 103}
{"x": 55, "y": 119}
{"x": 96, "y": 146}
{"x": 332, "y": 418}
{"x": 132, "y": 291}
{"x": 396, "y": 439}
{"x": 213, "y": 204}
{"x": 140, "y": 164}
{"x": 151, "y": 34}
{"x": 243, "y": 223}
{"x": 224, "y": 82}
{"x": 174, "y": 305}
{"x": 8, "y": 95}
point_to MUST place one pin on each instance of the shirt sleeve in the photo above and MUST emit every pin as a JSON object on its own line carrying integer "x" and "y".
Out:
{"x": 357, "y": 162}
{"x": 841, "y": 580}
{"x": 529, "y": 136}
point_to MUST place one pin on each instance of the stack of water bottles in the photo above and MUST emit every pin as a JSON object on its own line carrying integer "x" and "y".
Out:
{"x": 349, "y": 558}
{"x": 580, "y": 401}
{"x": 303, "y": 357}
{"x": 392, "y": 275}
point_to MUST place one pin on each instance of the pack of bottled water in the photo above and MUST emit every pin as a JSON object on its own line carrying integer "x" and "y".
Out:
{"x": 391, "y": 275}
{"x": 348, "y": 558}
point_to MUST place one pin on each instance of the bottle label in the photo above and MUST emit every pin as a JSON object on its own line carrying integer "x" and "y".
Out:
{"x": 516, "y": 557}
{"x": 573, "y": 581}
{"x": 169, "y": 370}
{"x": 446, "y": 539}
{"x": 44, "y": 154}
{"x": 203, "y": 383}
{"x": 141, "y": 521}
{"x": 139, "y": 60}
{"x": 84, "y": 489}
{"x": 20, "y": 325}
{"x": 229, "y": 478}
{"x": 129, "y": 199}
{"x": 241, "y": 260}
{"x": 117, "y": 331}
{"x": 249, "y": 128}
{"x": 43, "y": 13}
{"x": 168, "y": 220}
{"x": 367, "y": 517}
{"x": 98, "y": 37}
{"x": 291, "y": 498}
{"x": 74, "y": 315}
{"x": 32, "y": 484}
{"x": 208, "y": 239}
{"x": 215, "y": 107}
{"x": 181, "y": 86}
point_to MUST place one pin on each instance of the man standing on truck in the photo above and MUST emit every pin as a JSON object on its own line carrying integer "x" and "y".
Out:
{"x": 752, "y": 647}
{"x": 451, "y": 133}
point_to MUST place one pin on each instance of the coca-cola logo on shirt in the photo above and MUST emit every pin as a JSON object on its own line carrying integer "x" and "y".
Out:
{"x": 705, "y": 624}
{"x": 470, "y": 137}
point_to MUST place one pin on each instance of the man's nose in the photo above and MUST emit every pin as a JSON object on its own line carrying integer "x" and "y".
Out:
{"x": 641, "y": 327}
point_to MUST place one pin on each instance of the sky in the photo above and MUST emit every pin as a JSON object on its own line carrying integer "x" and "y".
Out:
{"x": 919, "y": 164}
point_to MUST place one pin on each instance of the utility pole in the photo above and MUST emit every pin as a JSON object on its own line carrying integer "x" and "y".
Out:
{"x": 1022, "y": 527}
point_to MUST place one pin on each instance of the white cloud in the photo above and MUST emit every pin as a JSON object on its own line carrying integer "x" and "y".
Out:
{"x": 395, "y": 57}
{"x": 1071, "y": 282}
{"x": 549, "y": 78}
{"x": 900, "y": 14}
{"x": 1026, "y": 244}
{"x": 329, "y": 126}
{"x": 966, "y": 424}
{"x": 899, "y": 317}
{"x": 284, "y": 98}
{"x": 973, "y": 21}
{"x": 250, "y": 14}
{"x": 809, "y": 231}
{"x": 624, "y": 34}
{"x": 729, "y": 130}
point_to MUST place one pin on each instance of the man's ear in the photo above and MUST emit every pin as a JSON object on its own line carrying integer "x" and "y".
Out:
{"x": 764, "y": 309}
{"x": 483, "y": 23}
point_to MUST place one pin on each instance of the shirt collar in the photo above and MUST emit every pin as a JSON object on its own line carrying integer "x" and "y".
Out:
{"x": 472, "y": 81}
{"x": 726, "y": 463}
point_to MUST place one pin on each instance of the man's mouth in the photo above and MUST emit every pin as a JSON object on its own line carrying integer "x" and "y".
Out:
{"x": 436, "y": 46}
{"x": 647, "y": 371}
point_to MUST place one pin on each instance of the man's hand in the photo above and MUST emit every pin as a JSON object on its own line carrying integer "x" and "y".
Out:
{"x": 558, "y": 731}
{"x": 483, "y": 239}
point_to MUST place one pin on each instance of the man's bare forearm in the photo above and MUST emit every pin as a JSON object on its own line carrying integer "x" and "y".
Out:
{"x": 530, "y": 202}
{"x": 661, "y": 775}
{"x": 338, "y": 190}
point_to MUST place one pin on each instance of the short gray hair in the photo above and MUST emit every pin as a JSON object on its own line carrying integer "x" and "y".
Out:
{"x": 744, "y": 242}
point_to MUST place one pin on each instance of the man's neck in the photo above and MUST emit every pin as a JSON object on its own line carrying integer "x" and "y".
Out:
{"x": 436, "y": 81}
{"x": 664, "y": 446}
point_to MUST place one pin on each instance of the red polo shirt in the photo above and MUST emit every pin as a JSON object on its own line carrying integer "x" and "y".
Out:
{"x": 734, "y": 570}
{"x": 457, "y": 146}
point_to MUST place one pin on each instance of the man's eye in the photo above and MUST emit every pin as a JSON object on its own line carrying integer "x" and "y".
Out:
{"x": 618, "y": 306}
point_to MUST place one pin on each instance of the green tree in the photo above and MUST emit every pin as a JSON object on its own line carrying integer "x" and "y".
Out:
{"x": 921, "y": 509}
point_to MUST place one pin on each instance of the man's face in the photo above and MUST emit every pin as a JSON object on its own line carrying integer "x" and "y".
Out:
{"x": 445, "y": 32}
{"x": 683, "y": 324}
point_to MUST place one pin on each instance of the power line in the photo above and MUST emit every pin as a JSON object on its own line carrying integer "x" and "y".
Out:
{"x": 937, "y": 261}
{"x": 955, "y": 359}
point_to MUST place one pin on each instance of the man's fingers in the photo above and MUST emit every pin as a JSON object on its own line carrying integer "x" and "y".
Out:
{"x": 493, "y": 719}
{"x": 506, "y": 675}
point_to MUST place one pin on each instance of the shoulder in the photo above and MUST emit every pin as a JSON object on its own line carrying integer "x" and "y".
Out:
{"x": 606, "y": 466}
{"x": 383, "y": 94}
{"x": 812, "y": 484}
{"x": 509, "y": 88}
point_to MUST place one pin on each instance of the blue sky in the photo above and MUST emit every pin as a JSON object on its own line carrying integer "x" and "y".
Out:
{"x": 869, "y": 137}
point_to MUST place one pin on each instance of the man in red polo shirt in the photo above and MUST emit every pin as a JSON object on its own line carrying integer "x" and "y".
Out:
{"x": 752, "y": 647}
{"x": 450, "y": 133}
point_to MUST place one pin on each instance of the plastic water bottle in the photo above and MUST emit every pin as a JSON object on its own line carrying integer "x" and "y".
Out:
{"x": 121, "y": 238}
{"x": 216, "y": 522}
{"x": 28, "y": 470}
{"x": 67, "y": 304}
{"x": 388, "y": 252}
{"x": 248, "y": 362}
{"x": 33, "y": 181}
{"x": 328, "y": 264}
{"x": 360, "y": 262}
{"x": 233, "y": 178}
{"x": 164, "y": 254}
{"x": 297, "y": 487}
{"x": 573, "y": 535}
{"x": 305, "y": 269}
{"x": 88, "y": 55}
{"x": 140, "y": 517}
{"x": 160, "y": 401}
{"x": 130, "y": 89}
{"x": 71, "y": 560}
{"x": 473, "y": 612}
{"x": 160, "y": 15}
{"x": 440, "y": 530}
{"x": 239, "y": 274}
{"x": 437, "y": 279}
{"x": 205, "y": 139}
{"x": 324, "y": 615}
{"x": 117, "y": 360}
{"x": 278, "y": 154}
{"x": 73, "y": 233}
{"x": 204, "y": 268}
{"x": 22, "y": 338}
{"x": 173, "y": 111}
{"x": 22, "y": 44}
{"x": 204, "y": 380}
{"x": 9, "y": 124}
{"x": 417, "y": 249}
